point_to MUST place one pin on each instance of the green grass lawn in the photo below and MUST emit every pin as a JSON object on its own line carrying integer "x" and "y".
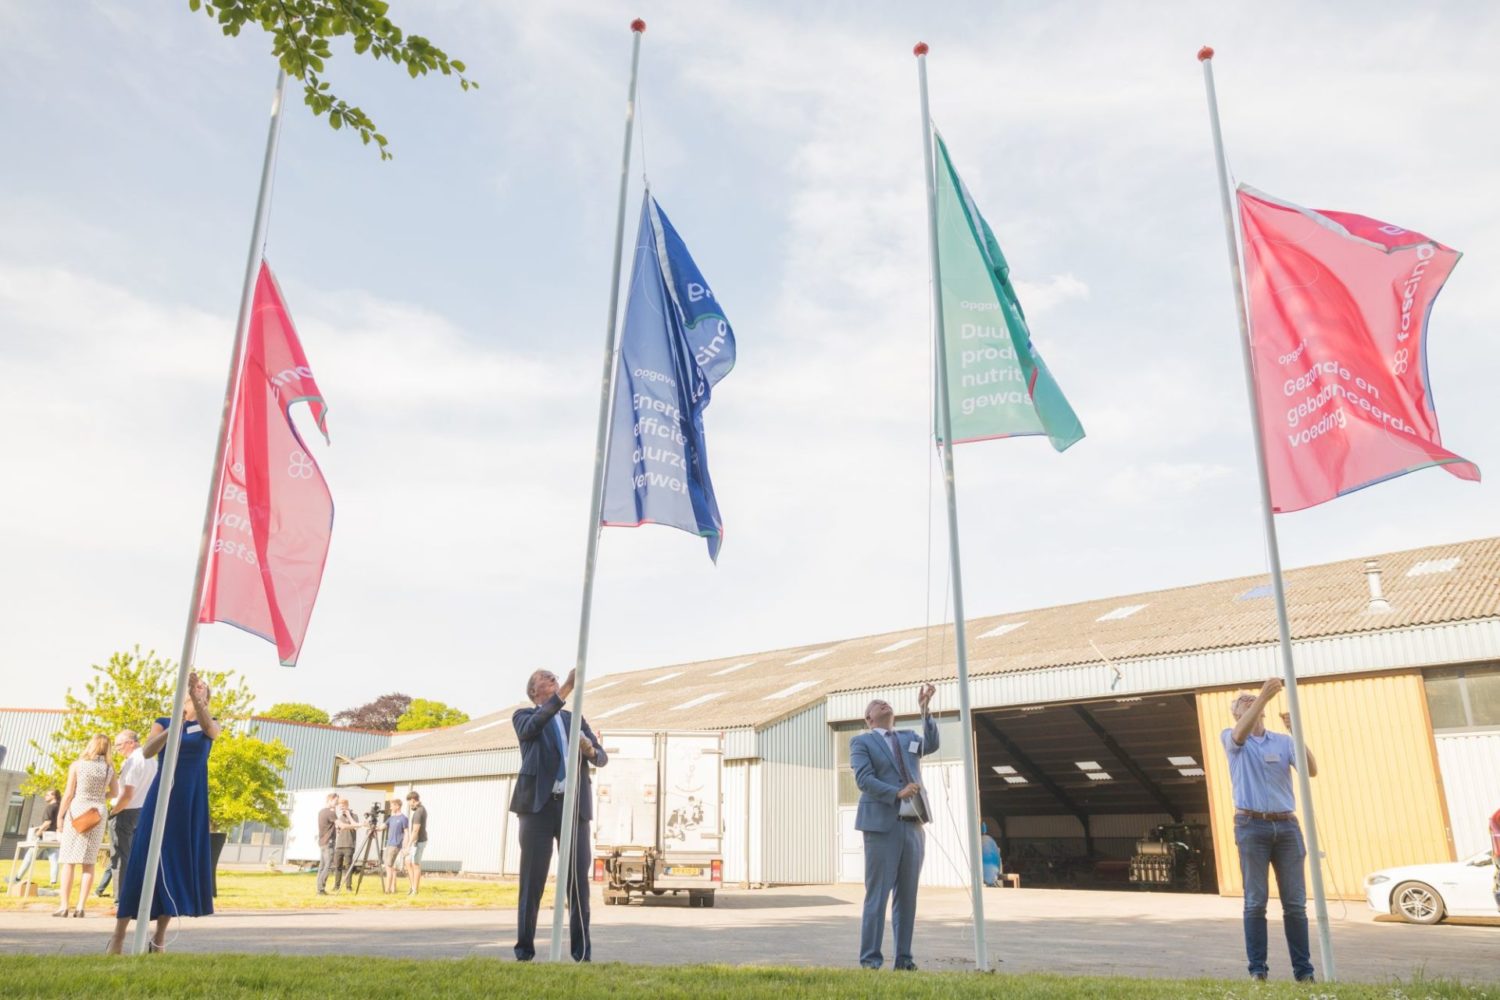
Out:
{"x": 269, "y": 890}
{"x": 230, "y": 976}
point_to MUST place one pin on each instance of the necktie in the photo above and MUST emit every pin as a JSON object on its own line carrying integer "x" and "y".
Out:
{"x": 890, "y": 737}
{"x": 562, "y": 748}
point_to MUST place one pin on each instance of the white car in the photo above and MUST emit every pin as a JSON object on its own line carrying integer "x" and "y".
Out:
{"x": 1425, "y": 894}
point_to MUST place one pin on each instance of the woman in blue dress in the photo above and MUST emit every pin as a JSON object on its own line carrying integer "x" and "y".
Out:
{"x": 185, "y": 879}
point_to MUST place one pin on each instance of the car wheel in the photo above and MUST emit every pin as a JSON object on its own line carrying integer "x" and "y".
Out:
{"x": 1417, "y": 903}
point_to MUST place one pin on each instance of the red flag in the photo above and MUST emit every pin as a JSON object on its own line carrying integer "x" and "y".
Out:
{"x": 275, "y": 514}
{"x": 1338, "y": 329}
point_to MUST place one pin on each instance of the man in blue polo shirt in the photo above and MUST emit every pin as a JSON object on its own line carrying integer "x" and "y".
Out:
{"x": 1265, "y": 828}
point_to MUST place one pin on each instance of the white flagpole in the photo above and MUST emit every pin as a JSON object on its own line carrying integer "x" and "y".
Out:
{"x": 190, "y": 635}
{"x": 945, "y": 422}
{"x": 1273, "y": 549}
{"x": 601, "y": 445}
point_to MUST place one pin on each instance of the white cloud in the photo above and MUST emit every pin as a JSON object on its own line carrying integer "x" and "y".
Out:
{"x": 452, "y": 304}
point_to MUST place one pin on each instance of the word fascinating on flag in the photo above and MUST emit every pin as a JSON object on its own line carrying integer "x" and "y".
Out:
{"x": 1338, "y": 329}
{"x": 998, "y": 385}
{"x": 675, "y": 348}
{"x": 275, "y": 514}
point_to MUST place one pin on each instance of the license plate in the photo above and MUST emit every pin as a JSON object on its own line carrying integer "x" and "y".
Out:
{"x": 683, "y": 870}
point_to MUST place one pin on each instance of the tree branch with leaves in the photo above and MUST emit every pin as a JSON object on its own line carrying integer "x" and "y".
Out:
{"x": 301, "y": 33}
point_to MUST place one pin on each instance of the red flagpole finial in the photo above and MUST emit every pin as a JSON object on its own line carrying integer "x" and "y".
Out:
{"x": 1206, "y": 53}
{"x": 637, "y": 26}
{"x": 920, "y": 49}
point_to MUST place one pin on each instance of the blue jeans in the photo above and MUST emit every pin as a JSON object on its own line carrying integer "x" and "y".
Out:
{"x": 1264, "y": 845}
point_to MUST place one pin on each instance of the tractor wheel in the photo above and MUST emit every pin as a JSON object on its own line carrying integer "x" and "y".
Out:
{"x": 1192, "y": 877}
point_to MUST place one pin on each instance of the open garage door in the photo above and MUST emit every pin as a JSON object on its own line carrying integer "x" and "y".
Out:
{"x": 1105, "y": 794}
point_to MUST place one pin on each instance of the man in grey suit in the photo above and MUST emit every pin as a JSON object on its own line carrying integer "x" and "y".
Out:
{"x": 892, "y": 808}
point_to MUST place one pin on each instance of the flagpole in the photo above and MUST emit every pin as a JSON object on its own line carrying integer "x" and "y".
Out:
{"x": 190, "y": 634}
{"x": 945, "y": 422}
{"x": 569, "y": 830}
{"x": 1273, "y": 549}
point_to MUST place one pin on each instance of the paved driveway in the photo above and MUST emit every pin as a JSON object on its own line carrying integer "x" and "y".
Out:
{"x": 1137, "y": 934}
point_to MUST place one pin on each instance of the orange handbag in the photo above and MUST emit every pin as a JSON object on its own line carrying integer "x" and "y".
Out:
{"x": 84, "y": 822}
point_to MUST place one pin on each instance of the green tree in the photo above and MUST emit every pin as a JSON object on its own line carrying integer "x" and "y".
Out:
{"x": 300, "y": 33}
{"x": 425, "y": 714}
{"x": 296, "y": 711}
{"x": 131, "y": 691}
{"x": 245, "y": 781}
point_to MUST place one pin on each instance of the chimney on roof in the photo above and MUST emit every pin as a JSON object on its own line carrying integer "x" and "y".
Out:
{"x": 1378, "y": 604}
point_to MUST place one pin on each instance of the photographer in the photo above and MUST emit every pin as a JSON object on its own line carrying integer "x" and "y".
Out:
{"x": 346, "y": 827}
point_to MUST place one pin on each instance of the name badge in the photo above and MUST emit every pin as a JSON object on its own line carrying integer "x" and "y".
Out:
{"x": 1273, "y": 758}
{"x": 916, "y": 746}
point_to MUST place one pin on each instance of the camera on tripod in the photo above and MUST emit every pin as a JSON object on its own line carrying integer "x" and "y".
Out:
{"x": 374, "y": 815}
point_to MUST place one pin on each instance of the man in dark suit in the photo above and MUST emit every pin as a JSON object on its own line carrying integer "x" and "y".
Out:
{"x": 538, "y": 805}
{"x": 892, "y": 808}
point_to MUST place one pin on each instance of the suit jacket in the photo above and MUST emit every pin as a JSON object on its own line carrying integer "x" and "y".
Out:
{"x": 542, "y": 754}
{"x": 879, "y": 777}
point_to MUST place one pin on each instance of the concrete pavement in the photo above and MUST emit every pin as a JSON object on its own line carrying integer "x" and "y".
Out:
{"x": 1029, "y": 930}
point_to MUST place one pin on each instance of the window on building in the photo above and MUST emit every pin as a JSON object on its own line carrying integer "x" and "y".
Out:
{"x": 1464, "y": 697}
{"x": 13, "y": 813}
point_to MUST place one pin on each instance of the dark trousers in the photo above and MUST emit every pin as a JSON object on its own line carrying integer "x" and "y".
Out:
{"x": 538, "y": 831}
{"x": 343, "y": 861}
{"x": 1265, "y": 846}
{"x": 121, "y": 836}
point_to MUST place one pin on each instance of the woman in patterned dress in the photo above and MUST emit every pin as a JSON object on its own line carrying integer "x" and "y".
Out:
{"x": 91, "y": 780}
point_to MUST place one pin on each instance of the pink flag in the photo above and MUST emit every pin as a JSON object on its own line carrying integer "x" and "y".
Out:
{"x": 275, "y": 514}
{"x": 1338, "y": 328}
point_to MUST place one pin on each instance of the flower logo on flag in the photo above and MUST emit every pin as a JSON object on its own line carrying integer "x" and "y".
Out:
{"x": 301, "y": 466}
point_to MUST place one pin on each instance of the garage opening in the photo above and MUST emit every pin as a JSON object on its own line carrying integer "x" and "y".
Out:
{"x": 1098, "y": 795}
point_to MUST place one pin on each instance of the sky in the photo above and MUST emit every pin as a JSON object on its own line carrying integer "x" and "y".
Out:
{"x": 453, "y": 304}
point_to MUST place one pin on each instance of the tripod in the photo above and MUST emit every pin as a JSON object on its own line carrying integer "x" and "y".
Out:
{"x": 374, "y": 836}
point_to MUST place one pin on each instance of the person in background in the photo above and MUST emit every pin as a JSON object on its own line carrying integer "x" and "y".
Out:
{"x": 1265, "y": 828}
{"x": 346, "y": 829}
{"x": 418, "y": 845}
{"x": 136, "y": 773}
{"x": 44, "y": 831}
{"x": 396, "y": 827}
{"x": 1495, "y": 854}
{"x": 326, "y": 829}
{"x": 991, "y": 856}
{"x": 185, "y": 876}
{"x": 91, "y": 782}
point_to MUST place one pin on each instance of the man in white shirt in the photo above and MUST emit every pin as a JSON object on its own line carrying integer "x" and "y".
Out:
{"x": 136, "y": 775}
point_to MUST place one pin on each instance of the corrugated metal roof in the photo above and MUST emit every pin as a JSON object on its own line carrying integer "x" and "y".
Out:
{"x": 1200, "y": 620}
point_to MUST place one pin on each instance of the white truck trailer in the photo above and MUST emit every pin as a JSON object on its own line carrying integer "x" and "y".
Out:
{"x": 658, "y": 817}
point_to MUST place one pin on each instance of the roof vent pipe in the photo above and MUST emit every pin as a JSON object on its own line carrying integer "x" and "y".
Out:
{"x": 1378, "y": 603}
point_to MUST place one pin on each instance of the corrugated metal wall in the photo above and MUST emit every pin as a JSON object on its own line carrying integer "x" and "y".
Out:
{"x": 800, "y": 831}
{"x": 1376, "y": 795}
{"x": 1471, "y": 783}
{"x": 313, "y": 749}
{"x": 466, "y": 822}
{"x": 946, "y": 861}
{"x": 19, "y": 726}
{"x": 742, "y": 822}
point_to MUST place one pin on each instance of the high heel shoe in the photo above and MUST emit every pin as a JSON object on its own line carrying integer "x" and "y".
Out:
{"x": 78, "y": 912}
{"x": 61, "y": 913}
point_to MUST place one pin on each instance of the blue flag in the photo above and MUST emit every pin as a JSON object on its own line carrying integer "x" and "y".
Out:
{"x": 674, "y": 349}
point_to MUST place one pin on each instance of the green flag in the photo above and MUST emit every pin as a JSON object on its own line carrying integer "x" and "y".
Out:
{"x": 998, "y": 385}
